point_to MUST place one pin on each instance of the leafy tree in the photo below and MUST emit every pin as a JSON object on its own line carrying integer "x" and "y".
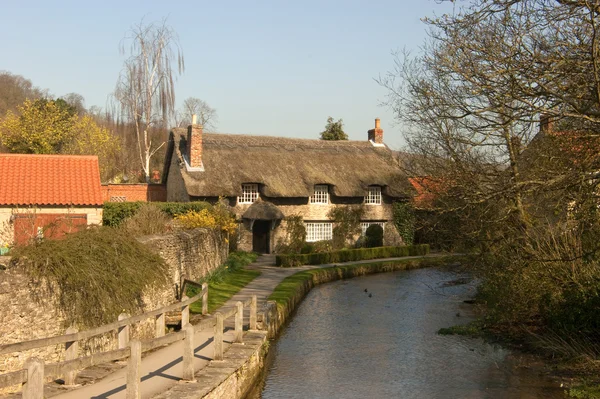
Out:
{"x": 145, "y": 90}
{"x": 53, "y": 127}
{"x": 40, "y": 127}
{"x": 334, "y": 130}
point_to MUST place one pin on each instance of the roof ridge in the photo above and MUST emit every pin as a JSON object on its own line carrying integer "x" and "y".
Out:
{"x": 48, "y": 155}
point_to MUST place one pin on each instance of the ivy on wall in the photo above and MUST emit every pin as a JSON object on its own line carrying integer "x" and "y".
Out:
{"x": 404, "y": 220}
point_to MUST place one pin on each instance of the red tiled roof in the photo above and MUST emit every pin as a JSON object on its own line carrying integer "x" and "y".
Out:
{"x": 49, "y": 180}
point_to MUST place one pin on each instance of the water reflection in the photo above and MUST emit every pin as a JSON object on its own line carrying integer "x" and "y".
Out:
{"x": 344, "y": 344}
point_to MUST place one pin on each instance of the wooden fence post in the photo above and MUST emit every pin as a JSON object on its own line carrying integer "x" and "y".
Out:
{"x": 218, "y": 337}
{"x": 134, "y": 372}
{"x": 71, "y": 353}
{"x": 188, "y": 353}
{"x": 239, "y": 323}
{"x": 185, "y": 312}
{"x": 253, "y": 310}
{"x": 204, "y": 298}
{"x": 123, "y": 332}
{"x": 34, "y": 387}
{"x": 160, "y": 325}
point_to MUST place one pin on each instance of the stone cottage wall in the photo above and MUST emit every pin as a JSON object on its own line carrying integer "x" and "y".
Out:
{"x": 27, "y": 313}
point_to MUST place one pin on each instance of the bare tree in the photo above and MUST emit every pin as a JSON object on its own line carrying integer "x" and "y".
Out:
{"x": 207, "y": 116}
{"x": 76, "y": 101}
{"x": 14, "y": 90}
{"x": 145, "y": 90}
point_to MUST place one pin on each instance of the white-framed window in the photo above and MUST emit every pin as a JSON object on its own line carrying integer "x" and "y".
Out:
{"x": 373, "y": 196}
{"x": 365, "y": 225}
{"x": 249, "y": 194}
{"x": 319, "y": 231}
{"x": 320, "y": 195}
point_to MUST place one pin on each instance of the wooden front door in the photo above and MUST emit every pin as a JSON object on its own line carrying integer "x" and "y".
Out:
{"x": 261, "y": 234}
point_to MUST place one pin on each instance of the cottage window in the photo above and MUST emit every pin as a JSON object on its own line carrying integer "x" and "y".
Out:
{"x": 249, "y": 194}
{"x": 373, "y": 196}
{"x": 321, "y": 194}
{"x": 319, "y": 231}
{"x": 365, "y": 225}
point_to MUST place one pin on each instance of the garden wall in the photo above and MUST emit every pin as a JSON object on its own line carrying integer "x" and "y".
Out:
{"x": 27, "y": 313}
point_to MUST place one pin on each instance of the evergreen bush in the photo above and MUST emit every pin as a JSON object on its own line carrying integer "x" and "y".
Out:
{"x": 374, "y": 236}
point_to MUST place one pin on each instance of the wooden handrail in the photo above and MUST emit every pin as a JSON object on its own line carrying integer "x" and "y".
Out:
{"x": 62, "y": 368}
{"x": 13, "y": 378}
{"x": 62, "y": 339}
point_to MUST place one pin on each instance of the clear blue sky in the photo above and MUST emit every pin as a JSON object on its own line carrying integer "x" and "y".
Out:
{"x": 273, "y": 68}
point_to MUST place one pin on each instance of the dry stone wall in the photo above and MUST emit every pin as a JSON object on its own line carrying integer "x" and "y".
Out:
{"x": 28, "y": 313}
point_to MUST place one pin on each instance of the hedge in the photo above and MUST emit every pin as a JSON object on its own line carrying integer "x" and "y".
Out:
{"x": 115, "y": 213}
{"x": 349, "y": 255}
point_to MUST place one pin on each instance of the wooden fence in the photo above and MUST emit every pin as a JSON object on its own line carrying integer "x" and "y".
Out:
{"x": 35, "y": 372}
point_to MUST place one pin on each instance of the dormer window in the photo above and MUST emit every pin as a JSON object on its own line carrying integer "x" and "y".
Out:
{"x": 320, "y": 195}
{"x": 373, "y": 196}
{"x": 249, "y": 194}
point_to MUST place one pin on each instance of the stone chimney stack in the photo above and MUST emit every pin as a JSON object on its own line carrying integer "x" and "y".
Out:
{"x": 546, "y": 123}
{"x": 376, "y": 135}
{"x": 194, "y": 144}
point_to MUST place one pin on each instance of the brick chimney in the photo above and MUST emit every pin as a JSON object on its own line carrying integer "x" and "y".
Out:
{"x": 376, "y": 135}
{"x": 194, "y": 144}
{"x": 546, "y": 122}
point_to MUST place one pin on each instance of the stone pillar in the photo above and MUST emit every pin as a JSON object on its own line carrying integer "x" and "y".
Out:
{"x": 134, "y": 371}
{"x": 185, "y": 312}
{"x": 239, "y": 323}
{"x": 34, "y": 387}
{"x": 204, "y": 299}
{"x": 160, "y": 325}
{"x": 253, "y": 310}
{"x": 71, "y": 353}
{"x": 123, "y": 332}
{"x": 218, "y": 343}
{"x": 188, "y": 354}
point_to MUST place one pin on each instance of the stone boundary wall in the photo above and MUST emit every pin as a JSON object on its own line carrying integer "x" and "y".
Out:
{"x": 27, "y": 313}
{"x": 191, "y": 255}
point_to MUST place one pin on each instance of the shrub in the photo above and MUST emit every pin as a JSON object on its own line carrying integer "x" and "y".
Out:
{"x": 215, "y": 217}
{"x": 374, "y": 236}
{"x": 148, "y": 220}
{"x": 349, "y": 255}
{"x": 296, "y": 232}
{"x": 346, "y": 224}
{"x": 96, "y": 273}
{"x": 115, "y": 213}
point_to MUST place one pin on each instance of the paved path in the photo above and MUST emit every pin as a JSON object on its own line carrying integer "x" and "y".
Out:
{"x": 163, "y": 368}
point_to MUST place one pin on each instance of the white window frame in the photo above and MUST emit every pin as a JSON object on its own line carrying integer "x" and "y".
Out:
{"x": 373, "y": 196}
{"x": 320, "y": 195}
{"x": 249, "y": 193}
{"x": 365, "y": 225}
{"x": 318, "y": 231}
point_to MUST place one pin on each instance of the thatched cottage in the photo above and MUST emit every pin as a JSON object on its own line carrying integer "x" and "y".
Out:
{"x": 264, "y": 179}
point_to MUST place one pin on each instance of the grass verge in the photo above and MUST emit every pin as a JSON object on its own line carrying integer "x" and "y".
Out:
{"x": 293, "y": 288}
{"x": 226, "y": 281}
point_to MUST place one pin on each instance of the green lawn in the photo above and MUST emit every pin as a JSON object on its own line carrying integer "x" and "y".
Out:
{"x": 229, "y": 285}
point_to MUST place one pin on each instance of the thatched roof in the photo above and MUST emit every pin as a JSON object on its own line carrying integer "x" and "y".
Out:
{"x": 287, "y": 167}
{"x": 261, "y": 210}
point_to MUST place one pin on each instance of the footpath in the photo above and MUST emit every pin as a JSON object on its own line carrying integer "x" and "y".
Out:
{"x": 162, "y": 369}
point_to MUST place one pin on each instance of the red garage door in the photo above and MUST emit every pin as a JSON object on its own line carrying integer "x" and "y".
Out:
{"x": 46, "y": 225}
